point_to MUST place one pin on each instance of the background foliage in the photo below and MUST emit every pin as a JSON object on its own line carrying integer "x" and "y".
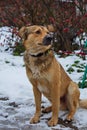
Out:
{"x": 68, "y": 17}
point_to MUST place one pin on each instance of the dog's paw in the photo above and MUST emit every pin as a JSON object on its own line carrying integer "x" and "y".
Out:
{"x": 34, "y": 120}
{"x": 68, "y": 121}
{"x": 69, "y": 118}
{"x": 52, "y": 122}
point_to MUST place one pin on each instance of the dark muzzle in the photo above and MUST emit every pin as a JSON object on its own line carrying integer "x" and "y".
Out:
{"x": 47, "y": 39}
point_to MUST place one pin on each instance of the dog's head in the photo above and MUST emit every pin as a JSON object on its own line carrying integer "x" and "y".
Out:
{"x": 36, "y": 39}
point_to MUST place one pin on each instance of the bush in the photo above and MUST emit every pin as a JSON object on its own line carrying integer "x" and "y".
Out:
{"x": 61, "y": 14}
{"x": 80, "y": 84}
{"x": 19, "y": 49}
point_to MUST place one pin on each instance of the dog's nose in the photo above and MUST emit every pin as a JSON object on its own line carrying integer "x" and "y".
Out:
{"x": 47, "y": 39}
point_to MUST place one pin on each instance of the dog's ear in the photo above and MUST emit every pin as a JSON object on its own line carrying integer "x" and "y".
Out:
{"x": 23, "y": 33}
{"x": 51, "y": 28}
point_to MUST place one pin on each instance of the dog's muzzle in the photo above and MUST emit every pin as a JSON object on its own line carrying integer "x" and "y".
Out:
{"x": 47, "y": 39}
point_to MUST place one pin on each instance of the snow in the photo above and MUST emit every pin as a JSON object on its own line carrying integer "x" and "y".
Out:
{"x": 18, "y": 105}
{"x": 15, "y": 85}
{"x": 7, "y": 38}
{"x": 10, "y": 75}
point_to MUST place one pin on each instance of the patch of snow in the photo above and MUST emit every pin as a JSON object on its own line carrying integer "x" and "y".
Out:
{"x": 7, "y": 38}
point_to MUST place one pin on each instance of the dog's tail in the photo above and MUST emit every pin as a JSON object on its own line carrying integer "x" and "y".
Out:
{"x": 83, "y": 103}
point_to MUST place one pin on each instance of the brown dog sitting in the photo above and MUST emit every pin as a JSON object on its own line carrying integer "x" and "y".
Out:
{"x": 47, "y": 75}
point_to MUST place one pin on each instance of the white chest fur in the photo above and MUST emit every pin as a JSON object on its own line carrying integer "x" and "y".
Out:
{"x": 35, "y": 72}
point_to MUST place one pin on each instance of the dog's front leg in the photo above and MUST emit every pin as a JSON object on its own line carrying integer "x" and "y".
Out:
{"x": 37, "y": 96}
{"x": 55, "y": 107}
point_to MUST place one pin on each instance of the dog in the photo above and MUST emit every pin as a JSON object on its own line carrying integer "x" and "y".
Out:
{"x": 48, "y": 76}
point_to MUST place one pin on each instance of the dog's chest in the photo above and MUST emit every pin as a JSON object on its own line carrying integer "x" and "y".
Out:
{"x": 35, "y": 72}
{"x": 37, "y": 66}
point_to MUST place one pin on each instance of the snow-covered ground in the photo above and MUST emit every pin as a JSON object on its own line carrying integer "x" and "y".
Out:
{"x": 16, "y": 97}
{"x": 17, "y": 101}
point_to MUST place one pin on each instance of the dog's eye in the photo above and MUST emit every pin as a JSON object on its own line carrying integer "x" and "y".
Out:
{"x": 38, "y": 32}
